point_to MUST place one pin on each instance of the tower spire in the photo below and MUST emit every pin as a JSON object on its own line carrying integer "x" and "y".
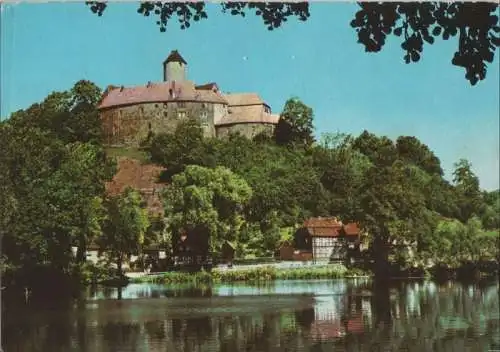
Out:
{"x": 174, "y": 67}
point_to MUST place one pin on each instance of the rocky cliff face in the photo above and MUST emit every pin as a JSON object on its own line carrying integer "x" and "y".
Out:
{"x": 142, "y": 177}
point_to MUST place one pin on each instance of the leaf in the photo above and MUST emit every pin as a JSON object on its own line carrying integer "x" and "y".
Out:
{"x": 415, "y": 56}
{"x": 436, "y": 31}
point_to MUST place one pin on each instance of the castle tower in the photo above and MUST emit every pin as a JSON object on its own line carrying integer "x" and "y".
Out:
{"x": 174, "y": 67}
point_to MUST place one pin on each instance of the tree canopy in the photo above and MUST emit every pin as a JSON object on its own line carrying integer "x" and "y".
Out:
{"x": 206, "y": 201}
{"x": 124, "y": 226}
{"x": 417, "y": 23}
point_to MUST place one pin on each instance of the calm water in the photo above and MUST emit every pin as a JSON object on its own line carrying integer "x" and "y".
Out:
{"x": 332, "y": 315}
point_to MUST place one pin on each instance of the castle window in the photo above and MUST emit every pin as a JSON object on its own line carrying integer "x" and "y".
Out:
{"x": 181, "y": 114}
{"x": 181, "y": 104}
{"x": 165, "y": 114}
{"x": 204, "y": 118}
{"x": 165, "y": 105}
{"x": 149, "y": 126}
{"x": 203, "y": 106}
{"x": 171, "y": 92}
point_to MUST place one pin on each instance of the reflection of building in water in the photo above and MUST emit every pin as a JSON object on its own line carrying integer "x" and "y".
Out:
{"x": 334, "y": 318}
{"x": 328, "y": 308}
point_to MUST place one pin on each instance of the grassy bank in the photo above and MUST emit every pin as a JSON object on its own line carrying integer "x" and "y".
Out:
{"x": 252, "y": 275}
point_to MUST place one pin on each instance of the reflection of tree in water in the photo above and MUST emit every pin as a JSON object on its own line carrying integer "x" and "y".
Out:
{"x": 192, "y": 291}
{"x": 427, "y": 317}
{"x": 155, "y": 330}
{"x": 32, "y": 337}
{"x": 305, "y": 318}
{"x": 119, "y": 337}
{"x": 25, "y": 327}
{"x": 420, "y": 316}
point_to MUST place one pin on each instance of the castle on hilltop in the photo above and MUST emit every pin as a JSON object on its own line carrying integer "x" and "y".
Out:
{"x": 129, "y": 115}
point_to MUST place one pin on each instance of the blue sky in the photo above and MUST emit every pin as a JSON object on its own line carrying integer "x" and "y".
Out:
{"x": 47, "y": 47}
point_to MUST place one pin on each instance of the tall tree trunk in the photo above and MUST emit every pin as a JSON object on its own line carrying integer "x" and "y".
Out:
{"x": 119, "y": 264}
{"x": 381, "y": 256}
{"x": 82, "y": 249}
{"x": 382, "y": 277}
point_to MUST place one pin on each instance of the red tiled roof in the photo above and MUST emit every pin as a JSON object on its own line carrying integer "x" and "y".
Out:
{"x": 329, "y": 227}
{"x": 351, "y": 229}
{"x": 324, "y": 231}
{"x": 170, "y": 91}
{"x": 322, "y": 222}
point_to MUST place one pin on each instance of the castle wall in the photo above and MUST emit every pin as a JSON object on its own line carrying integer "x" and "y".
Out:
{"x": 129, "y": 125}
{"x": 248, "y": 130}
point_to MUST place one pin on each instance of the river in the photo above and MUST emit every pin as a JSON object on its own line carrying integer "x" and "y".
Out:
{"x": 303, "y": 315}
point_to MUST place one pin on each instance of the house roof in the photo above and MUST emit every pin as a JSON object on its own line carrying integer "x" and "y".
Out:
{"x": 322, "y": 222}
{"x": 351, "y": 229}
{"x": 158, "y": 92}
{"x": 174, "y": 56}
{"x": 329, "y": 227}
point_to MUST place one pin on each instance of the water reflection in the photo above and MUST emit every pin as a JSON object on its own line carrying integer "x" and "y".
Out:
{"x": 336, "y": 315}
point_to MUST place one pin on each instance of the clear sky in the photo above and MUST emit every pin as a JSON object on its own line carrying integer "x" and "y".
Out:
{"x": 47, "y": 47}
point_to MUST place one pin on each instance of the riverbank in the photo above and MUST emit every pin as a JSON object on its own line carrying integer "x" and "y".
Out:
{"x": 261, "y": 273}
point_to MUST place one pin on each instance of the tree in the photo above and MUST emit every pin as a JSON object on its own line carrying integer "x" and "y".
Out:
{"x": 295, "y": 125}
{"x": 208, "y": 202}
{"x": 467, "y": 189}
{"x": 70, "y": 116}
{"x": 391, "y": 199}
{"x": 491, "y": 215}
{"x": 54, "y": 193}
{"x": 185, "y": 146}
{"x": 342, "y": 170}
{"x": 474, "y": 23}
{"x": 413, "y": 151}
{"x": 124, "y": 227}
{"x": 79, "y": 181}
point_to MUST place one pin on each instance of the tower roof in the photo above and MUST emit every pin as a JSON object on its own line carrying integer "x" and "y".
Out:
{"x": 175, "y": 57}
